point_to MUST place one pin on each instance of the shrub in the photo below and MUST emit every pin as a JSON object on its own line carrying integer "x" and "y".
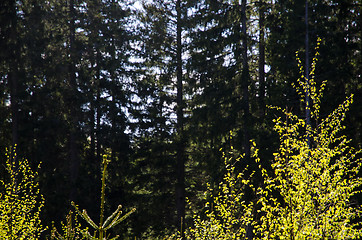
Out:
{"x": 315, "y": 176}
{"x": 21, "y": 201}
{"x": 71, "y": 230}
{"x": 309, "y": 192}
{"x": 227, "y": 214}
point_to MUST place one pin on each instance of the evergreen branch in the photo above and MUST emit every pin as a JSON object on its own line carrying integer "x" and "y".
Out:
{"x": 116, "y": 237}
{"x": 114, "y": 223}
{"x": 115, "y": 215}
{"x": 85, "y": 216}
{"x": 89, "y": 236}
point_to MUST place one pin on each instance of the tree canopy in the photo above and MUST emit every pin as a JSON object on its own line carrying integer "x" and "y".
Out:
{"x": 158, "y": 86}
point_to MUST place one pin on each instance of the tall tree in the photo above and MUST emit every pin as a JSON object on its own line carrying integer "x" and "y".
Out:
{"x": 11, "y": 58}
{"x": 261, "y": 62}
{"x": 5, "y": 23}
{"x": 160, "y": 115}
{"x": 14, "y": 74}
{"x": 73, "y": 104}
{"x": 219, "y": 74}
{"x": 115, "y": 83}
{"x": 245, "y": 79}
{"x": 327, "y": 20}
{"x": 22, "y": 43}
{"x": 180, "y": 166}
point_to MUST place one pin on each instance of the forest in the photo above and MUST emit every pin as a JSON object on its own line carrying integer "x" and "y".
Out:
{"x": 179, "y": 111}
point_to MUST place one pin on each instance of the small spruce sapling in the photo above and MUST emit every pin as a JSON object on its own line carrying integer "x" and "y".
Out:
{"x": 114, "y": 219}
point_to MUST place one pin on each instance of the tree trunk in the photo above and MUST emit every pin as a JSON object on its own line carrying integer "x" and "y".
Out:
{"x": 307, "y": 97}
{"x": 180, "y": 171}
{"x": 245, "y": 82}
{"x": 13, "y": 75}
{"x": 261, "y": 59}
{"x": 73, "y": 138}
{"x": 98, "y": 106}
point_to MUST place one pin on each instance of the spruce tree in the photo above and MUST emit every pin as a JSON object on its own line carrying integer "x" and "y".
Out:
{"x": 160, "y": 112}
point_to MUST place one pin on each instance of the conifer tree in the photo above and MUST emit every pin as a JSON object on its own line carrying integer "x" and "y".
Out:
{"x": 219, "y": 78}
{"x": 160, "y": 147}
{"x": 100, "y": 230}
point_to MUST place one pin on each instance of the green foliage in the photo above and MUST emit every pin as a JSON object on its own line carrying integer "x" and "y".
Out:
{"x": 21, "y": 201}
{"x": 309, "y": 195}
{"x": 227, "y": 214}
{"x": 317, "y": 183}
{"x": 68, "y": 231}
{"x": 111, "y": 221}
{"x": 67, "y": 93}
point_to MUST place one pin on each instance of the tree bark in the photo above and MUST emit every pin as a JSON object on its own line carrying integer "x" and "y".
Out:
{"x": 180, "y": 171}
{"x": 261, "y": 59}
{"x": 307, "y": 93}
{"x": 73, "y": 138}
{"x": 13, "y": 74}
{"x": 245, "y": 82}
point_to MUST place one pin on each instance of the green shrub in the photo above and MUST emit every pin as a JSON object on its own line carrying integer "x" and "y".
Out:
{"x": 227, "y": 214}
{"x": 21, "y": 201}
{"x": 308, "y": 195}
{"x": 71, "y": 230}
{"x": 316, "y": 181}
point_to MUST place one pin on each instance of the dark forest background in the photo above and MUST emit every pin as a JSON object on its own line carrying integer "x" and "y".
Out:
{"x": 158, "y": 86}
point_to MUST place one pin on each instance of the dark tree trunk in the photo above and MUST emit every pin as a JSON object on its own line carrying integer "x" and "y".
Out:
{"x": 98, "y": 106}
{"x": 307, "y": 96}
{"x": 180, "y": 171}
{"x": 245, "y": 82}
{"x": 14, "y": 106}
{"x": 13, "y": 74}
{"x": 73, "y": 138}
{"x": 261, "y": 59}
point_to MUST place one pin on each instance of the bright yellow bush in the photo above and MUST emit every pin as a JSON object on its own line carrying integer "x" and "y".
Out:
{"x": 308, "y": 195}
{"x": 20, "y": 201}
{"x": 71, "y": 229}
{"x": 227, "y": 215}
{"x": 315, "y": 183}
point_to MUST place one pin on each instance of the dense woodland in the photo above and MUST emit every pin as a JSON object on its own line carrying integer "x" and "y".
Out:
{"x": 158, "y": 85}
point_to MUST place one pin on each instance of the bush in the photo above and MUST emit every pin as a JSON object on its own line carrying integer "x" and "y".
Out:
{"x": 21, "y": 201}
{"x": 309, "y": 192}
{"x": 315, "y": 176}
{"x": 227, "y": 214}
